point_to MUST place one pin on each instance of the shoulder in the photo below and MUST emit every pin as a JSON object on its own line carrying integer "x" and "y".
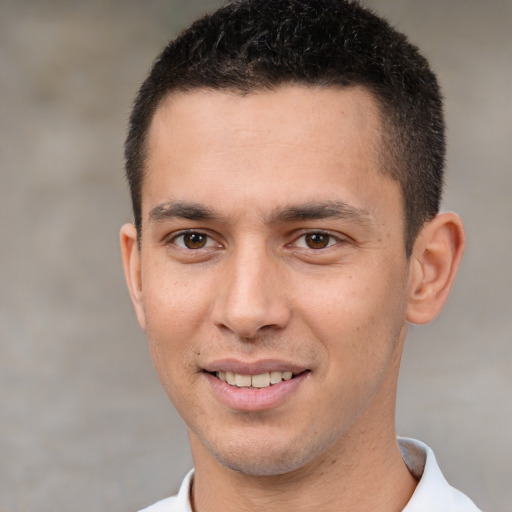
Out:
{"x": 178, "y": 503}
{"x": 433, "y": 491}
{"x": 167, "y": 505}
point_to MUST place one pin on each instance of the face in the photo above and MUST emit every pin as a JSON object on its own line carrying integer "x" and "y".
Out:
{"x": 272, "y": 280}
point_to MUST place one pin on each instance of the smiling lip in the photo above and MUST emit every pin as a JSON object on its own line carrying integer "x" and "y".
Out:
{"x": 253, "y": 368}
{"x": 246, "y": 398}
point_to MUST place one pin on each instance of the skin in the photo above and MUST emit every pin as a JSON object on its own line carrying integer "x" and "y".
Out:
{"x": 297, "y": 258}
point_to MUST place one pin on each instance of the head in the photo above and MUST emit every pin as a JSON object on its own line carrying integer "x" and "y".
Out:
{"x": 256, "y": 45}
{"x": 285, "y": 163}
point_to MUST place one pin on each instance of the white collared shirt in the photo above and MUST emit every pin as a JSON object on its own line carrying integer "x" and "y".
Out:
{"x": 432, "y": 494}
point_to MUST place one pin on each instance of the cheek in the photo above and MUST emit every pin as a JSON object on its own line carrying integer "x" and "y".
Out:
{"x": 358, "y": 313}
{"x": 175, "y": 312}
{"x": 174, "y": 302}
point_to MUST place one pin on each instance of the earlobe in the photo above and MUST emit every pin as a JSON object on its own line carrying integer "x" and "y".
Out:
{"x": 132, "y": 269}
{"x": 436, "y": 257}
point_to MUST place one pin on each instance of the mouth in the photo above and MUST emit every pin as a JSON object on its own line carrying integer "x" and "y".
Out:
{"x": 256, "y": 386}
{"x": 260, "y": 381}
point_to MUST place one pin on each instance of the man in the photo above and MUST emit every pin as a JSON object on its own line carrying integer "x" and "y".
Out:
{"x": 285, "y": 161}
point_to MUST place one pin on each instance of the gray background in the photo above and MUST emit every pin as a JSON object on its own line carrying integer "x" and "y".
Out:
{"x": 84, "y": 425}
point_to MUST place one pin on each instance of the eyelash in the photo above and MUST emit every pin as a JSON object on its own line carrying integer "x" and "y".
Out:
{"x": 331, "y": 240}
{"x": 172, "y": 240}
{"x": 210, "y": 242}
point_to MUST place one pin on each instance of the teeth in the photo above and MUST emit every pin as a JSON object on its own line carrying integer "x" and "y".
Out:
{"x": 262, "y": 380}
{"x": 276, "y": 377}
{"x": 242, "y": 381}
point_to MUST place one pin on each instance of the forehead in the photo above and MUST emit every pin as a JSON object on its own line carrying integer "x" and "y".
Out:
{"x": 295, "y": 141}
{"x": 289, "y": 112}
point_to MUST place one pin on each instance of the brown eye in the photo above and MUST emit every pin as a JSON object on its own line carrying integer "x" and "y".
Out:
{"x": 194, "y": 240}
{"x": 192, "y": 244}
{"x": 317, "y": 240}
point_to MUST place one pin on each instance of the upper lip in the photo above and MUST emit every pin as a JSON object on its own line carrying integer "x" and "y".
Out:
{"x": 253, "y": 367}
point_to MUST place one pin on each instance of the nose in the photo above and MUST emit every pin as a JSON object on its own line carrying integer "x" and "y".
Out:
{"x": 251, "y": 297}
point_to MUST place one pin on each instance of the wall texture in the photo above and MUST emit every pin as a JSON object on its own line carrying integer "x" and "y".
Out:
{"x": 83, "y": 423}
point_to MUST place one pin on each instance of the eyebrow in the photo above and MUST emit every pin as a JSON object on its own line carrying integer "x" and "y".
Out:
{"x": 181, "y": 210}
{"x": 320, "y": 210}
{"x": 294, "y": 213}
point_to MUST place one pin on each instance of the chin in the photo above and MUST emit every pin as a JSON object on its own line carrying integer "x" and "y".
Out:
{"x": 264, "y": 458}
{"x": 268, "y": 465}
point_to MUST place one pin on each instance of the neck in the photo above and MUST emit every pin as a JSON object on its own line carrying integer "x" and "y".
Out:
{"x": 369, "y": 476}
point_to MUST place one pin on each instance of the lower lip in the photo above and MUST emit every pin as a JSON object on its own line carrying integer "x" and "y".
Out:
{"x": 254, "y": 399}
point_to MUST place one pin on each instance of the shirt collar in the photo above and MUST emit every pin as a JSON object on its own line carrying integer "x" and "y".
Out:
{"x": 432, "y": 492}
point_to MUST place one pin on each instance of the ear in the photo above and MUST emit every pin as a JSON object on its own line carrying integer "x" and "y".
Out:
{"x": 434, "y": 262}
{"x": 132, "y": 269}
